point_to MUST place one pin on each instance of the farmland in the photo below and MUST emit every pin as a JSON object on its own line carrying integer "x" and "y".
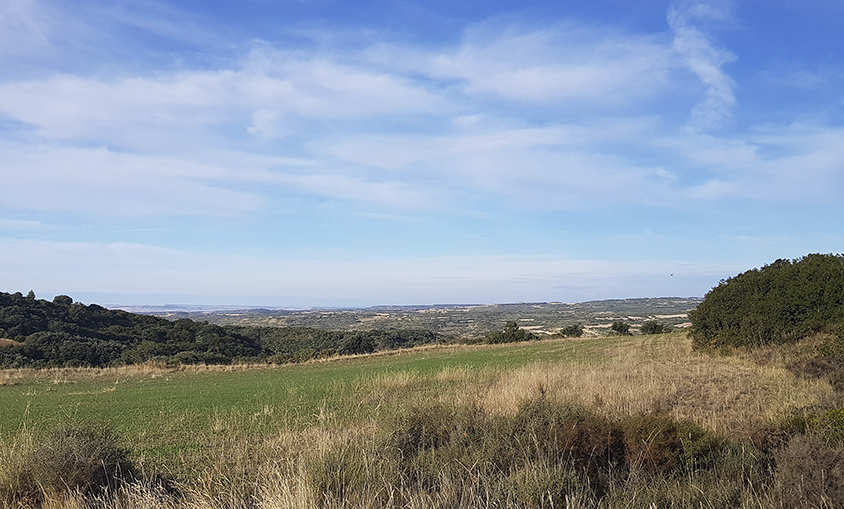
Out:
{"x": 270, "y": 436}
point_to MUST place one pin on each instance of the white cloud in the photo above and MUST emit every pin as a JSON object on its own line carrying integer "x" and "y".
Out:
{"x": 98, "y": 181}
{"x": 705, "y": 60}
{"x": 556, "y": 65}
{"x": 399, "y": 127}
{"x": 27, "y": 28}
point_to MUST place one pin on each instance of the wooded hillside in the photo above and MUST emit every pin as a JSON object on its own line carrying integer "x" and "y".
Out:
{"x": 65, "y": 333}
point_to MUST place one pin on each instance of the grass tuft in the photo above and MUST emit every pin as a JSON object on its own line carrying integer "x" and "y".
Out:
{"x": 70, "y": 458}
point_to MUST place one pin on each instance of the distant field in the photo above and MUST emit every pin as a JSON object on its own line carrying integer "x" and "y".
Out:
{"x": 455, "y": 320}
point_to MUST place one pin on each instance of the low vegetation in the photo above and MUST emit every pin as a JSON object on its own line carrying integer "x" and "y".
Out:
{"x": 621, "y": 422}
{"x": 512, "y": 333}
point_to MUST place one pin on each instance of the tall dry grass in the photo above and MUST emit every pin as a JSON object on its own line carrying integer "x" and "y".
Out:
{"x": 724, "y": 394}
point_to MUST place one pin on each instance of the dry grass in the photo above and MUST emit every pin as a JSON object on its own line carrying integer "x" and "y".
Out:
{"x": 730, "y": 396}
{"x": 723, "y": 394}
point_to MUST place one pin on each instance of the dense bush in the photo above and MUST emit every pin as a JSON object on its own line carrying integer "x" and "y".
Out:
{"x": 653, "y": 327}
{"x": 574, "y": 330}
{"x": 779, "y": 303}
{"x": 511, "y": 334}
{"x": 620, "y": 329}
{"x": 548, "y": 450}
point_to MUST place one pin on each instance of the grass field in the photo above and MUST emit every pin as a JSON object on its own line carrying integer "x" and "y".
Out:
{"x": 263, "y": 434}
{"x": 170, "y": 410}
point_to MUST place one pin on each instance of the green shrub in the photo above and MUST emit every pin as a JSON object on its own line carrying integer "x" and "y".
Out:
{"x": 620, "y": 329}
{"x": 511, "y": 334}
{"x": 653, "y": 327}
{"x": 574, "y": 330}
{"x": 779, "y": 303}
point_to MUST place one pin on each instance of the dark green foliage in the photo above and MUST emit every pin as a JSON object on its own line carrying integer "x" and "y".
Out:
{"x": 828, "y": 426}
{"x": 779, "y": 303}
{"x": 574, "y": 330}
{"x": 620, "y": 329}
{"x": 511, "y": 334}
{"x": 653, "y": 327}
{"x": 657, "y": 444}
{"x": 82, "y": 457}
{"x": 63, "y": 333}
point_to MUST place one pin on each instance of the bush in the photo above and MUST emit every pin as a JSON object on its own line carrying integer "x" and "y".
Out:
{"x": 779, "y": 303}
{"x": 511, "y": 334}
{"x": 653, "y": 327}
{"x": 84, "y": 458}
{"x": 620, "y": 329}
{"x": 572, "y": 331}
{"x": 810, "y": 473}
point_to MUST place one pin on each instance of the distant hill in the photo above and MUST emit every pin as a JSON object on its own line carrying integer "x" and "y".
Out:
{"x": 61, "y": 332}
{"x": 457, "y": 320}
{"x": 40, "y": 333}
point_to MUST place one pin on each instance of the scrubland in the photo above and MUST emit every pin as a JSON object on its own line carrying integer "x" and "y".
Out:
{"x": 622, "y": 422}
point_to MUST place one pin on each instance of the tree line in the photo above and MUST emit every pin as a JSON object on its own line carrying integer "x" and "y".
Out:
{"x": 64, "y": 333}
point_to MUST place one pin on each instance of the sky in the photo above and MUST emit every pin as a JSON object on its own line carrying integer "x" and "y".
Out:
{"x": 298, "y": 153}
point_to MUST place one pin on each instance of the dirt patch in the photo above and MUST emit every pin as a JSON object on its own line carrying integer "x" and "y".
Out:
{"x": 8, "y": 342}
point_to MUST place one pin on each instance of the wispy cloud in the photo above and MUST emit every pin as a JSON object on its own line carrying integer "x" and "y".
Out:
{"x": 705, "y": 60}
{"x": 18, "y": 225}
{"x": 141, "y": 118}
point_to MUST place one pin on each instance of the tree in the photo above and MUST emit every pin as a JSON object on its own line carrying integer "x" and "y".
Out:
{"x": 653, "y": 327}
{"x": 574, "y": 330}
{"x": 62, "y": 300}
{"x": 511, "y": 334}
{"x": 620, "y": 329}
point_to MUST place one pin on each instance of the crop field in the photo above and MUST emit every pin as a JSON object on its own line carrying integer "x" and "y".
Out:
{"x": 324, "y": 433}
{"x": 173, "y": 410}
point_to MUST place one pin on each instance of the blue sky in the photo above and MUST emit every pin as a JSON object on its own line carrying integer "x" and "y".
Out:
{"x": 327, "y": 153}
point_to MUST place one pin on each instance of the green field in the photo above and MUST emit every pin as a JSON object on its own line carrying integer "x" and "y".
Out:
{"x": 167, "y": 412}
{"x": 448, "y": 426}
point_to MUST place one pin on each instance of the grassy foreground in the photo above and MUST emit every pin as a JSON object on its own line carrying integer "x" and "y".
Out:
{"x": 611, "y": 422}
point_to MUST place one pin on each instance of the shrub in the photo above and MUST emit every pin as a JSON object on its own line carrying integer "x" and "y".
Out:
{"x": 84, "y": 458}
{"x": 810, "y": 473}
{"x": 511, "y": 334}
{"x": 779, "y": 303}
{"x": 572, "y": 331}
{"x": 620, "y": 329}
{"x": 653, "y": 327}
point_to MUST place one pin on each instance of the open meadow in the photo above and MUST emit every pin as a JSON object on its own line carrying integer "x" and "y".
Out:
{"x": 437, "y": 426}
